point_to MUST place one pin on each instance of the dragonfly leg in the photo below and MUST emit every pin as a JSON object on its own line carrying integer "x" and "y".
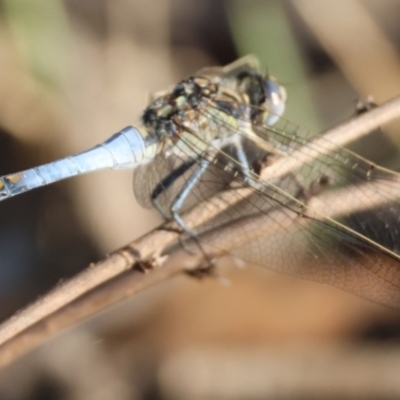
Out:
{"x": 244, "y": 166}
{"x": 166, "y": 183}
{"x": 180, "y": 199}
{"x": 243, "y": 162}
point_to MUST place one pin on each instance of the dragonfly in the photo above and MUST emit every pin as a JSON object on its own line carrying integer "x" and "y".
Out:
{"x": 275, "y": 195}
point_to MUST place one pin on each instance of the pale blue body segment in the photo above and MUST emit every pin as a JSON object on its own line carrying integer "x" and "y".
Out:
{"x": 126, "y": 149}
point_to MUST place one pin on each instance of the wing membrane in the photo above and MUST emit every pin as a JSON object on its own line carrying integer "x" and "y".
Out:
{"x": 312, "y": 209}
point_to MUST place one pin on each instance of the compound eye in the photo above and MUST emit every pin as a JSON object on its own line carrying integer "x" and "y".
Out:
{"x": 275, "y": 100}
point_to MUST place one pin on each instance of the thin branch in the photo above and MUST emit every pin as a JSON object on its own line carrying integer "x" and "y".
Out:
{"x": 123, "y": 287}
{"x": 75, "y": 299}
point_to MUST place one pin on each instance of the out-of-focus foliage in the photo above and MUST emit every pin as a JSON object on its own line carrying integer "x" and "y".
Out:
{"x": 46, "y": 51}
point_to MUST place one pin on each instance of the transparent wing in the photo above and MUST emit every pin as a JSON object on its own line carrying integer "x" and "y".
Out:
{"x": 147, "y": 177}
{"x": 161, "y": 181}
{"x": 330, "y": 216}
{"x": 357, "y": 253}
{"x": 325, "y": 252}
{"x": 313, "y": 158}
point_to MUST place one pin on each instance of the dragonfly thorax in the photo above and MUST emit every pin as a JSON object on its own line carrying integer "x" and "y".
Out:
{"x": 168, "y": 112}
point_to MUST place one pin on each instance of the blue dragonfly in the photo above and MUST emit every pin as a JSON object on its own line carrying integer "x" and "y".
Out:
{"x": 332, "y": 216}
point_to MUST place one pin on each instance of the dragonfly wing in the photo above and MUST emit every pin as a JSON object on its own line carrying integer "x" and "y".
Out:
{"x": 321, "y": 165}
{"x": 325, "y": 252}
{"x": 300, "y": 210}
{"x": 148, "y": 177}
{"x": 162, "y": 180}
{"x": 249, "y": 62}
{"x": 331, "y": 217}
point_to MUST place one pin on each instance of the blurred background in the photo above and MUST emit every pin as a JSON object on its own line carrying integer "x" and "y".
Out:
{"x": 74, "y": 72}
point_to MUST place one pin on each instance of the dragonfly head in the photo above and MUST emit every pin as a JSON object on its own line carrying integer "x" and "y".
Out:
{"x": 265, "y": 94}
{"x": 274, "y": 100}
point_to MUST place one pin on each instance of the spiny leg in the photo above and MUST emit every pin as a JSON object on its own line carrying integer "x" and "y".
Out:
{"x": 178, "y": 201}
{"x": 167, "y": 182}
{"x": 180, "y": 198}
{"x": 249, "y": 176}
{"x": 244, "y": 166}
{"x": 303, "y": 193}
